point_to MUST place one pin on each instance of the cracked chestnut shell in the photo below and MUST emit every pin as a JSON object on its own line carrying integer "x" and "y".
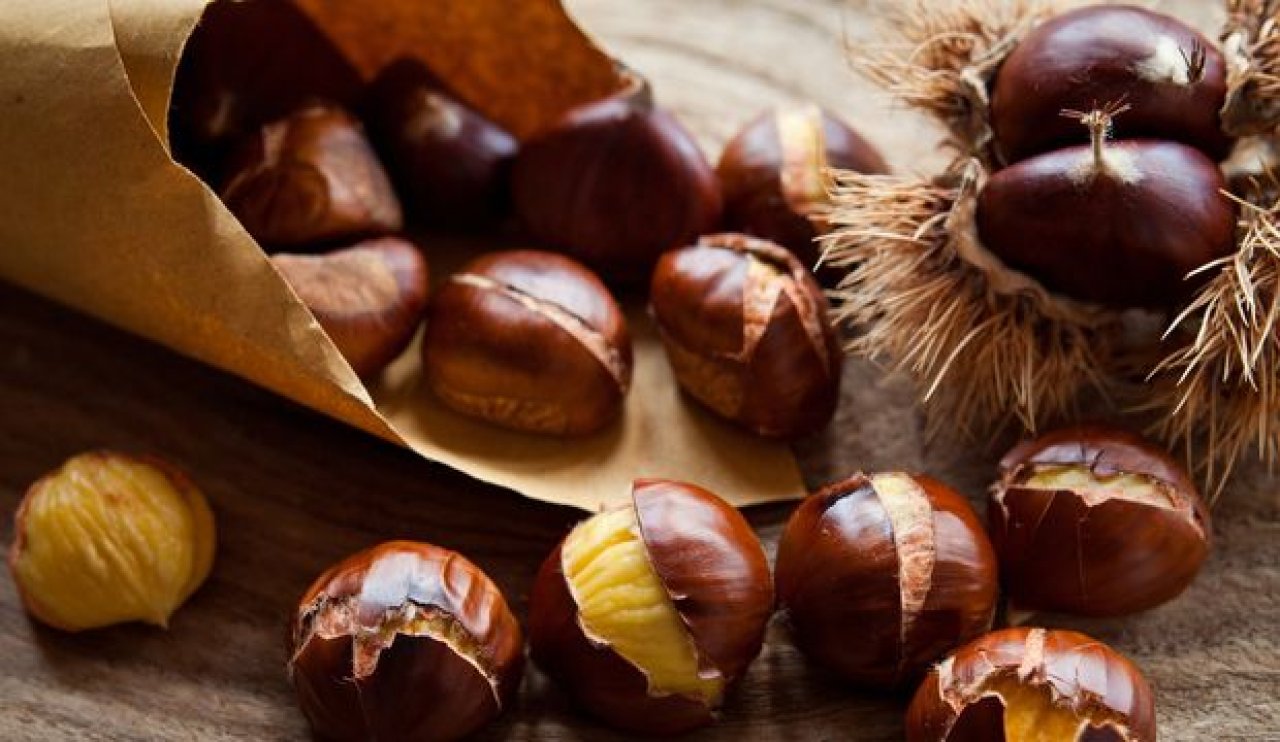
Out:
{"x": 902, "y": 557}
{"x": 746, "y": 330}
{"x": 1095, "y": 521}
{"x": 308, "y": 179}
{"x": 531, "y": 341}
{"x": 647, "y": 614}
{"x": 369, "y": 298}
{"x": 1173, "y": 78}
{"x": 450, "y": 163}
{"x": 773, "y": 174}
{"x": 404, "y": 641}
{"x": 1033, "y": 684}
{"x": 615, "y": 183}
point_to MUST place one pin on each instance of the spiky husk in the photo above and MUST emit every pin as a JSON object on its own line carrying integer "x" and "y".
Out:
{"x": 1221, "y": 389}
{"x": 985, "y": 343}
{"x": 1251, "y": 43}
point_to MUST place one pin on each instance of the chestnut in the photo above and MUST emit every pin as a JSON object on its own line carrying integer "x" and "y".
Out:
{"x": 902, "y": 557}
{"x": 1171, "y": 76}
{"x": 1120, "y": 224}
{"x": 308, "y": 179}
{"x": 746, "y": 331}
{"x": 1033, "y": 684}
{"x": 615, "y": 183}
{"x": 404, "y": 641}
{"x": 774, "y": 178}
{"x": 647, "y": 613}
{"x": 531, "y": 341}
{"x": 369, "y": 298}
{"x": 1095, "y": 521}
{"x": 450, "y": 163}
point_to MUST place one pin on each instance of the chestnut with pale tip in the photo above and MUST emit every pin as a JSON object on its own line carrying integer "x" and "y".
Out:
{"x": 528, "y": 340}
{"x": 369, "y": 298}
{"x": 1095, "y": 521}
{"x": 903, "y": 558}
{"x": 615, "y": 183}
{"x": 775, "y": 175}
{"x": 746, "y": 330}
{"x": 1033, "y": 685}
{"x": 648, "y": 613}
{"x": 309, "y": 179}
{"x": 404, "y": 641}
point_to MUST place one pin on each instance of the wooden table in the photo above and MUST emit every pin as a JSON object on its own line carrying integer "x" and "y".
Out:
{"x": 294, "y": 492}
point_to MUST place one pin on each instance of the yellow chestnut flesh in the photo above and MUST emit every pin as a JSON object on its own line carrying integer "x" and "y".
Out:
{"x": 109, "y": 538}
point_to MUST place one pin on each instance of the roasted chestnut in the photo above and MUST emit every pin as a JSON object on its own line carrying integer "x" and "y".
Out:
{"x": 369, "y": 298}
{"x": 531, "y": 341}
{"x": 1120, "y": 224}
{"x": 450, "y": 163}
{"x": 308, "y": 179}
{"x": 404, "y": 641}
{"x": 1095, "y": 521}
{"x": 903, "y": 558}
{"x": 1170, "y": 75}
{"x": 1029, "y": 684}
{"x": 647, "y": 613}
{"x": 615, "y": 183}
{"x": 747, "y": 333}
{"x": 774, "y": 175}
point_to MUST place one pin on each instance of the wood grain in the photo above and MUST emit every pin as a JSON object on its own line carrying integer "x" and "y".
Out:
{"x": 294, "y": 492}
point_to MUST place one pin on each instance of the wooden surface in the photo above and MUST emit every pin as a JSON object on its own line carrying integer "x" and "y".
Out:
{"x": 294, "y": 492}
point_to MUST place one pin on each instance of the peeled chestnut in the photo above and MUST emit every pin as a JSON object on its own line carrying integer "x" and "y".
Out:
{"x": 1170, "y": 75}
{"x": 774, "y": 175}
{"x": 1095, "y": 521}
{"x": 369, "y": 298}
{"x": 647, "y": 613}
{"x": 531, "y": 341}
{"x": 903, "y": 558}
{"x": 309, "y": 179}
{"x": 1031, "y": 684}
{"x": 615, "y": 183}
{"x": 1120, "y": 224}
{"x": 450, "y": 163}
{"x": 404, "y": 641}
{"x": 747, "y": 333}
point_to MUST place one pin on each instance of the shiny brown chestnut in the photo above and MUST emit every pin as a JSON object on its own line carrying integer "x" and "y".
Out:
{"x": 1120, "y": 224}
{"x": 903, "y": 558}
{"x": 404, "y": 641}
{"x": 450, "y": 163}
{"x": 1095, "y": 521}
{"x": 308, "y": 179}
{"x": 369, "y": 298}
{"x": 1031, "y": 684}
{"x": 647, "y": 613}
{"x": 774, "y": 175}
{"x": 747, "y": 333}
{"x": 528, "y": 340}
{"x": 615, "y": 183}
{"x": 1170, "y": 75}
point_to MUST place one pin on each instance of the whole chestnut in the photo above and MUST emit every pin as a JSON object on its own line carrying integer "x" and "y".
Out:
{"x": 1095, "y": 521}
{"x": 1169, "y": 74}
{"x": 647, "y": 613}
{"x": 450, "y": 163}
{"x": 528, "y": 340}
{"x": 308, "y": 179}
{"x": 1120, "y": 224}
{"x": 1033, "y": 684}
{"x": 369, "y": 298}
{"x": 747, "y": 333}
{"x": 615, "y": 183}
{"x": 404, "y": 641}
{"x": 903, "y": 558}
{"x": 774, "y": 178}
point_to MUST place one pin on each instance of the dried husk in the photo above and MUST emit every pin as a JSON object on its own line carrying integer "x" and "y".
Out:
{"x": 1251, "y": 43}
